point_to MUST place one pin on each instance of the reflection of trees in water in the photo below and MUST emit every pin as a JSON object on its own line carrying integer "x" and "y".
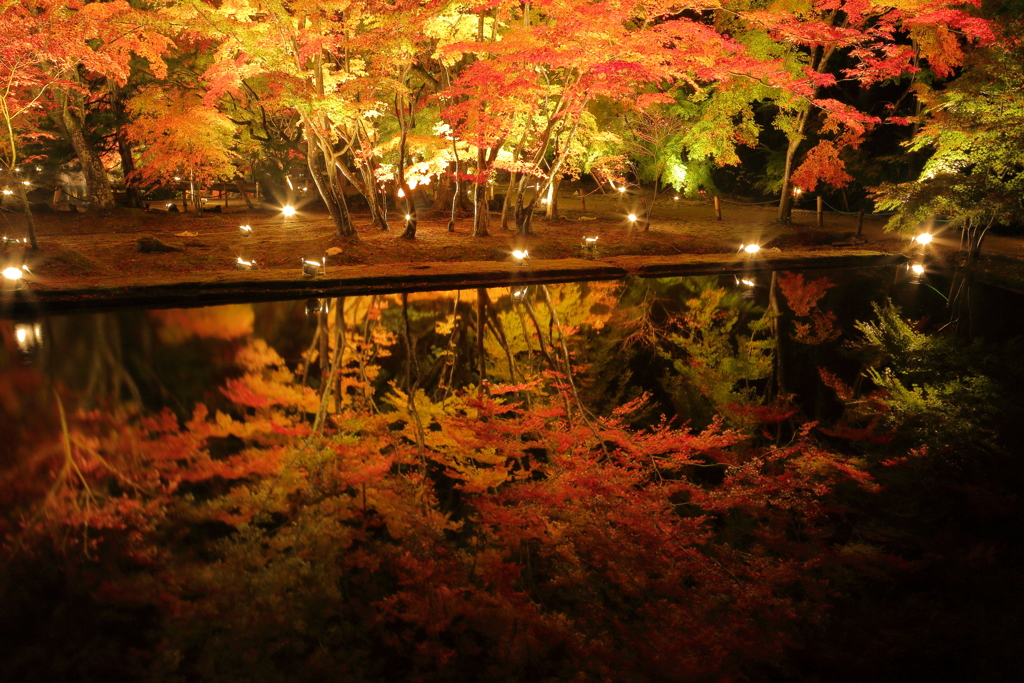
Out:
{"x": 377, "y": 506}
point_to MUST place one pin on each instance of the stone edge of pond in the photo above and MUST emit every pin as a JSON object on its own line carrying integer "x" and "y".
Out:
{"x": 277, "y": 284}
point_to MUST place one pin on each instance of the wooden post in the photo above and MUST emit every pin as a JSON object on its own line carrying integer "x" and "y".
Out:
{"x": 718, "y": 209}
{"x": 821, "y": 215}
{"x": 860, "y": 223}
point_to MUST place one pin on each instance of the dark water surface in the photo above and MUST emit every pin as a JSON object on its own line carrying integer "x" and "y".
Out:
{"x": 775, "y": 476}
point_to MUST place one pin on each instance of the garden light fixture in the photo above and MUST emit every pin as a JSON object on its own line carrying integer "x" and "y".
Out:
{"x": 245, "y": 230}
{"x": 521, "y": 257}
{"x": 917, "y": 269}
{"x": 923, "y": 238}
{"x": 750, "y": 248}
{"x": 288, "y": 211}
{"x": 242, "y": 264}
{"x": 313, "y": 268}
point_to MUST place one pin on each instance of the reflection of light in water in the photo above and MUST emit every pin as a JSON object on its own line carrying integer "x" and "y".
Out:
{"x": 314, "y": 306}
{"x": 519, "y": 294}
{"x": 748, "y": 283}
{"x": 28, "y": 336}
{"x": 917, "y": 268}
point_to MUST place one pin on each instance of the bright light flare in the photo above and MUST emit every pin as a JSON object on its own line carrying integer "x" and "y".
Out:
{"x": 28, "y": 336}
{"x": 632, "y": 218}
{"x": 520, "y": 255}
{"x": 8, "y": 192}
{"x": 923, "y": 238}
{"x": 751, "y": 248}
{"x": 917, "y": 269}
{"x": 408, "y": 217}
{"x": 288, "y": 211}
{"x": 12, "y": 273}
{"x": 748, "y": 283}
{"x": 401, "y": 192}
{"x": 622, "y": 189}
{"x": 676, "y": 198}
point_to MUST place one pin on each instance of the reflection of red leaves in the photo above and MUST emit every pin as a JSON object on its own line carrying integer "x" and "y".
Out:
{"x": 803, "y": 296}
{"x": 843, "y": 390}
{"x": 822, "y": 328}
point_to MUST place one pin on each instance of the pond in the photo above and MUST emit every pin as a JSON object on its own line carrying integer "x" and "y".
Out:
{"x": 777, "y": 476}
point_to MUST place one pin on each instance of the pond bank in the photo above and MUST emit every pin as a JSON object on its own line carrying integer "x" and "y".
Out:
{"x": 210, "y": 288}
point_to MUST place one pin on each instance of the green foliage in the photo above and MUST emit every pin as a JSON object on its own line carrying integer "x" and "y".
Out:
{"x": 934, "y": 393}
{"x": 974, "y": 131}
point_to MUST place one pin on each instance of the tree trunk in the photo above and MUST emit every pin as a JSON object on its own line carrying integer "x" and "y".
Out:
{"x": 551, "y": 211}
{"x": 509, "y": 202}
{"x": 101, "y": 196}
{"x": 245, "y": 195}
{"x": 786, "y": 200}
{"x": 23, "y": 195}
{"x": 481, "y": 209}
{"x": 326, "y": 184}
{"x": 124, "y": 148}
{"x": 197, "y": 200}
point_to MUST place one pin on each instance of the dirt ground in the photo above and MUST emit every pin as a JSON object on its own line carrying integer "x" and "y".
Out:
{"x": 82, "y": 250}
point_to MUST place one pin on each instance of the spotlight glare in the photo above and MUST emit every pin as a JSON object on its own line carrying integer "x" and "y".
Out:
{"x": 923, "y": 238}
{"x": 288, "y": 211}
{"x": 752, "y": 248}
{"x": 632, "y": 218}
{"x": 917, "y": 268}
{"x": 12, "y": 273}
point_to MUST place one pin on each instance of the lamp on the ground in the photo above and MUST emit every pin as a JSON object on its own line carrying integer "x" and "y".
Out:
{"x": 242, "y": 264}
{"x": 245, "y": 230}
{"x": 312, "y": 268}
{"x": 520, "y": 257}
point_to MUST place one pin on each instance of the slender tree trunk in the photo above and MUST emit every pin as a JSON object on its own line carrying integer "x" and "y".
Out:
{"x": 551, "y": 211}
{"x": 786, "y": 199}
{"x": 101, "y": 196}
{"x": 405, "y": 122}
{"x": 197, "y": 200}
{"x": 481, "y": 209}
{"x": 30, "y": 222}
{"x": 245, "y": 195}
{"x": 124, "y": 148}
{"x": 320, "y": 171}
{"x": 481, "y": 356}
{"x": 648, "y": 210}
